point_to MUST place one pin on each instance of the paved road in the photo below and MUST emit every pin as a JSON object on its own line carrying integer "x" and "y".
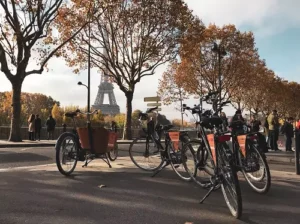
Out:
{"x": 41, "y": 194}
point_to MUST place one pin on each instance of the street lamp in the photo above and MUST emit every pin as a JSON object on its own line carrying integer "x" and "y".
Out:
{"x": 217, "y": 48}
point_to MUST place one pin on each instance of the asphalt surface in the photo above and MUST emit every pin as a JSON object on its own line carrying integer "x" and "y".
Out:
{"x": 40, "y": 194}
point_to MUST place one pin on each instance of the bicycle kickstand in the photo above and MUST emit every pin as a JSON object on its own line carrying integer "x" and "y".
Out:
{"x": 207, "y": 194}
{"x": 159, "y": 170}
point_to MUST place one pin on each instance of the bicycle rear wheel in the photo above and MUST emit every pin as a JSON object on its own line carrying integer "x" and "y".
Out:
{"x": 230, "y": 184}
{"x": 177, "y": 159}
{"x": 145, "y": 154}
{"x": 67, "y": 152}
{"x": 198, "y": 164}
{"x": 259, "y": 179}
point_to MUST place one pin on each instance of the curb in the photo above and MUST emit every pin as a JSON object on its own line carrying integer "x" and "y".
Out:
{"x": 17, "y": 145}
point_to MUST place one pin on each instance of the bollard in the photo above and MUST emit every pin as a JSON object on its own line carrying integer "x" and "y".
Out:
{"x": 297, "y": 151}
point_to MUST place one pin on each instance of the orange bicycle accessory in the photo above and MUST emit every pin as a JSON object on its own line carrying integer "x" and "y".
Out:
{"x": 174, "y": 136}
{"x": 242, "y": 143}
{"x": 211, "y": 142}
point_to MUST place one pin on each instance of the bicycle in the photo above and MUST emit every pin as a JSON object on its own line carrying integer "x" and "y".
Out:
{"x": 249, "y": 158}
{"x": 70, "y": 147}
{"x": 212, "y": 151}
{"x": 148, "y": 153}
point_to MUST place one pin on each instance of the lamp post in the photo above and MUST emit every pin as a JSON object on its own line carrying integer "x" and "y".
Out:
{"x": 217, "y": 48}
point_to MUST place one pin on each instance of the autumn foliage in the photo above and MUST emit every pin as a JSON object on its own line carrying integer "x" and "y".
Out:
{"x": 245, "y": 78}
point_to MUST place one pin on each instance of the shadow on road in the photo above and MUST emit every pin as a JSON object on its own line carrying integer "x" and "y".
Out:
{"x": 131, "y": 196}
{"x": 13, "y": 157}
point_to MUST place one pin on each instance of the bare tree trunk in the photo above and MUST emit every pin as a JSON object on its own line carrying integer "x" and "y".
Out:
{"x": 15, "y": 128}
{"x": 128, "y": 134}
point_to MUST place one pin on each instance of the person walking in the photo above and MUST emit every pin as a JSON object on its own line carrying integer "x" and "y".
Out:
{"x": 50, "y": 124}
{"x": 224, "y": 121}
{"x": 273, "y": 129}
{"x": 255, "y": 127}
{"x": 288, "y": 130}
{"x": 38, "y": 127}
{"x": 31, "y": 127}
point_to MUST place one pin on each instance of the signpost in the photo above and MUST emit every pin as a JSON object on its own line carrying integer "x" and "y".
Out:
{"x": 152, "y": 99}
{"x": 154, "y": 102}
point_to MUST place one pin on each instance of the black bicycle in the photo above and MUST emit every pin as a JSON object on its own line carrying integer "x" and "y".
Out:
{"x": 148, "y": 153}
{"x": 212, "y": 155}
{"x": 249, "y": 158}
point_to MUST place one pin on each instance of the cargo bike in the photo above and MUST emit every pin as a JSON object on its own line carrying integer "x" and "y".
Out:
{"x": 84, "y": 144}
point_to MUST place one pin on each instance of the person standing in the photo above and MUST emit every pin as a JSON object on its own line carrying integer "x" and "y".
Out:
{"x": 288, "y": 131}
{"x": 50, "y": 124}
{"x": 38, "y": 127}
{"x": 273, "y": 129}
{"x": 31, "y": 127}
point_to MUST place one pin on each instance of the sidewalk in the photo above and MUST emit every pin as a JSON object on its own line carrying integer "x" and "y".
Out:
{"x": 281, "y": 156}
{"x": 42, "y": 143}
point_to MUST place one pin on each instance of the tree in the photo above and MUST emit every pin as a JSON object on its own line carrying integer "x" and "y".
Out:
{"x": 199, "y": 67}
{"x": 26, "y": 28}
{"x": 170, "y": 90}
{"x": 130, "y": 40}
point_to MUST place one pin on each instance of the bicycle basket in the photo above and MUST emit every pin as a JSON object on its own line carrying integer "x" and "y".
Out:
{"x": 100, "y": 139}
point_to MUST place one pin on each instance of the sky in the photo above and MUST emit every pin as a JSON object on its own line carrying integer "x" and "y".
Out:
{"x": 275, "y": 24}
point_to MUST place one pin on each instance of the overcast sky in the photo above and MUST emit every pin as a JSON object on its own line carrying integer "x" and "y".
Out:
{"x": 275, "y": 23}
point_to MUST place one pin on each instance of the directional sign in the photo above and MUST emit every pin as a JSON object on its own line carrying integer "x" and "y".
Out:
{"x": 154, "y": 98}
{"x": 158, "y": 109}
{"x": 153, "y": 104}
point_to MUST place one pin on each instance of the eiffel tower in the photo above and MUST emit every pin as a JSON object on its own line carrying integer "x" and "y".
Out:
{"x": 106, "y": 87}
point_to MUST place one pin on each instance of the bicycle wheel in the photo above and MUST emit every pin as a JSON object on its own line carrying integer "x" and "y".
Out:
{"x": 113, "y": 154}
{"x": 145, "y": 154}
{"x": 230, "y": 184}
{"x": 177, "y": 159}
{"x": 255, "y": 169}
{"x": 67, "y": 150}
{"x": 197, "y": 164}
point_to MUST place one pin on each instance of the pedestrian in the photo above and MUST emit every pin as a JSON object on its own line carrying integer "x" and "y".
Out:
{"x": 50, "y": 124}
{"x": 255, "y": 127}
{"x": 224, "y": 121}
{"x": 288, "y": 130}
{"x": 114, "y": 126}
{"x": 64, "y": 128}
{"x": 237, "y": 122}
{"x": 273, "y": 124}
{"x": 38, "y": 127}
{"x": 31, "y": 127}
{"x": 255, "y": 124}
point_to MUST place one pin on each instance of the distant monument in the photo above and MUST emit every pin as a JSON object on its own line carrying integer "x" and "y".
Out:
{"x": 106, "y": 87}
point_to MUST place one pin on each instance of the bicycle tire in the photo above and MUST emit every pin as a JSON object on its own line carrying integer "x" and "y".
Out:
{"x": 266, "y": 173}
{"x": 176, "y": 159}
{"x": 60, "y": 147}
{"x": 142, "y": 154}
{"x": 224, "y": 162}
{"x": 113, "y": 154}
{"x": 193, "y": 168}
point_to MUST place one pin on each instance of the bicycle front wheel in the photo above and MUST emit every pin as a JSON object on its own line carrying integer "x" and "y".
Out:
{"x": 255, "y": 169}
{"x": 230, "y": 184}
{"x": 145, "y": 154}
{"x": 177, "y": 160}
{"x": 198, "y": 164}
{"x": 67, "y": 150}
